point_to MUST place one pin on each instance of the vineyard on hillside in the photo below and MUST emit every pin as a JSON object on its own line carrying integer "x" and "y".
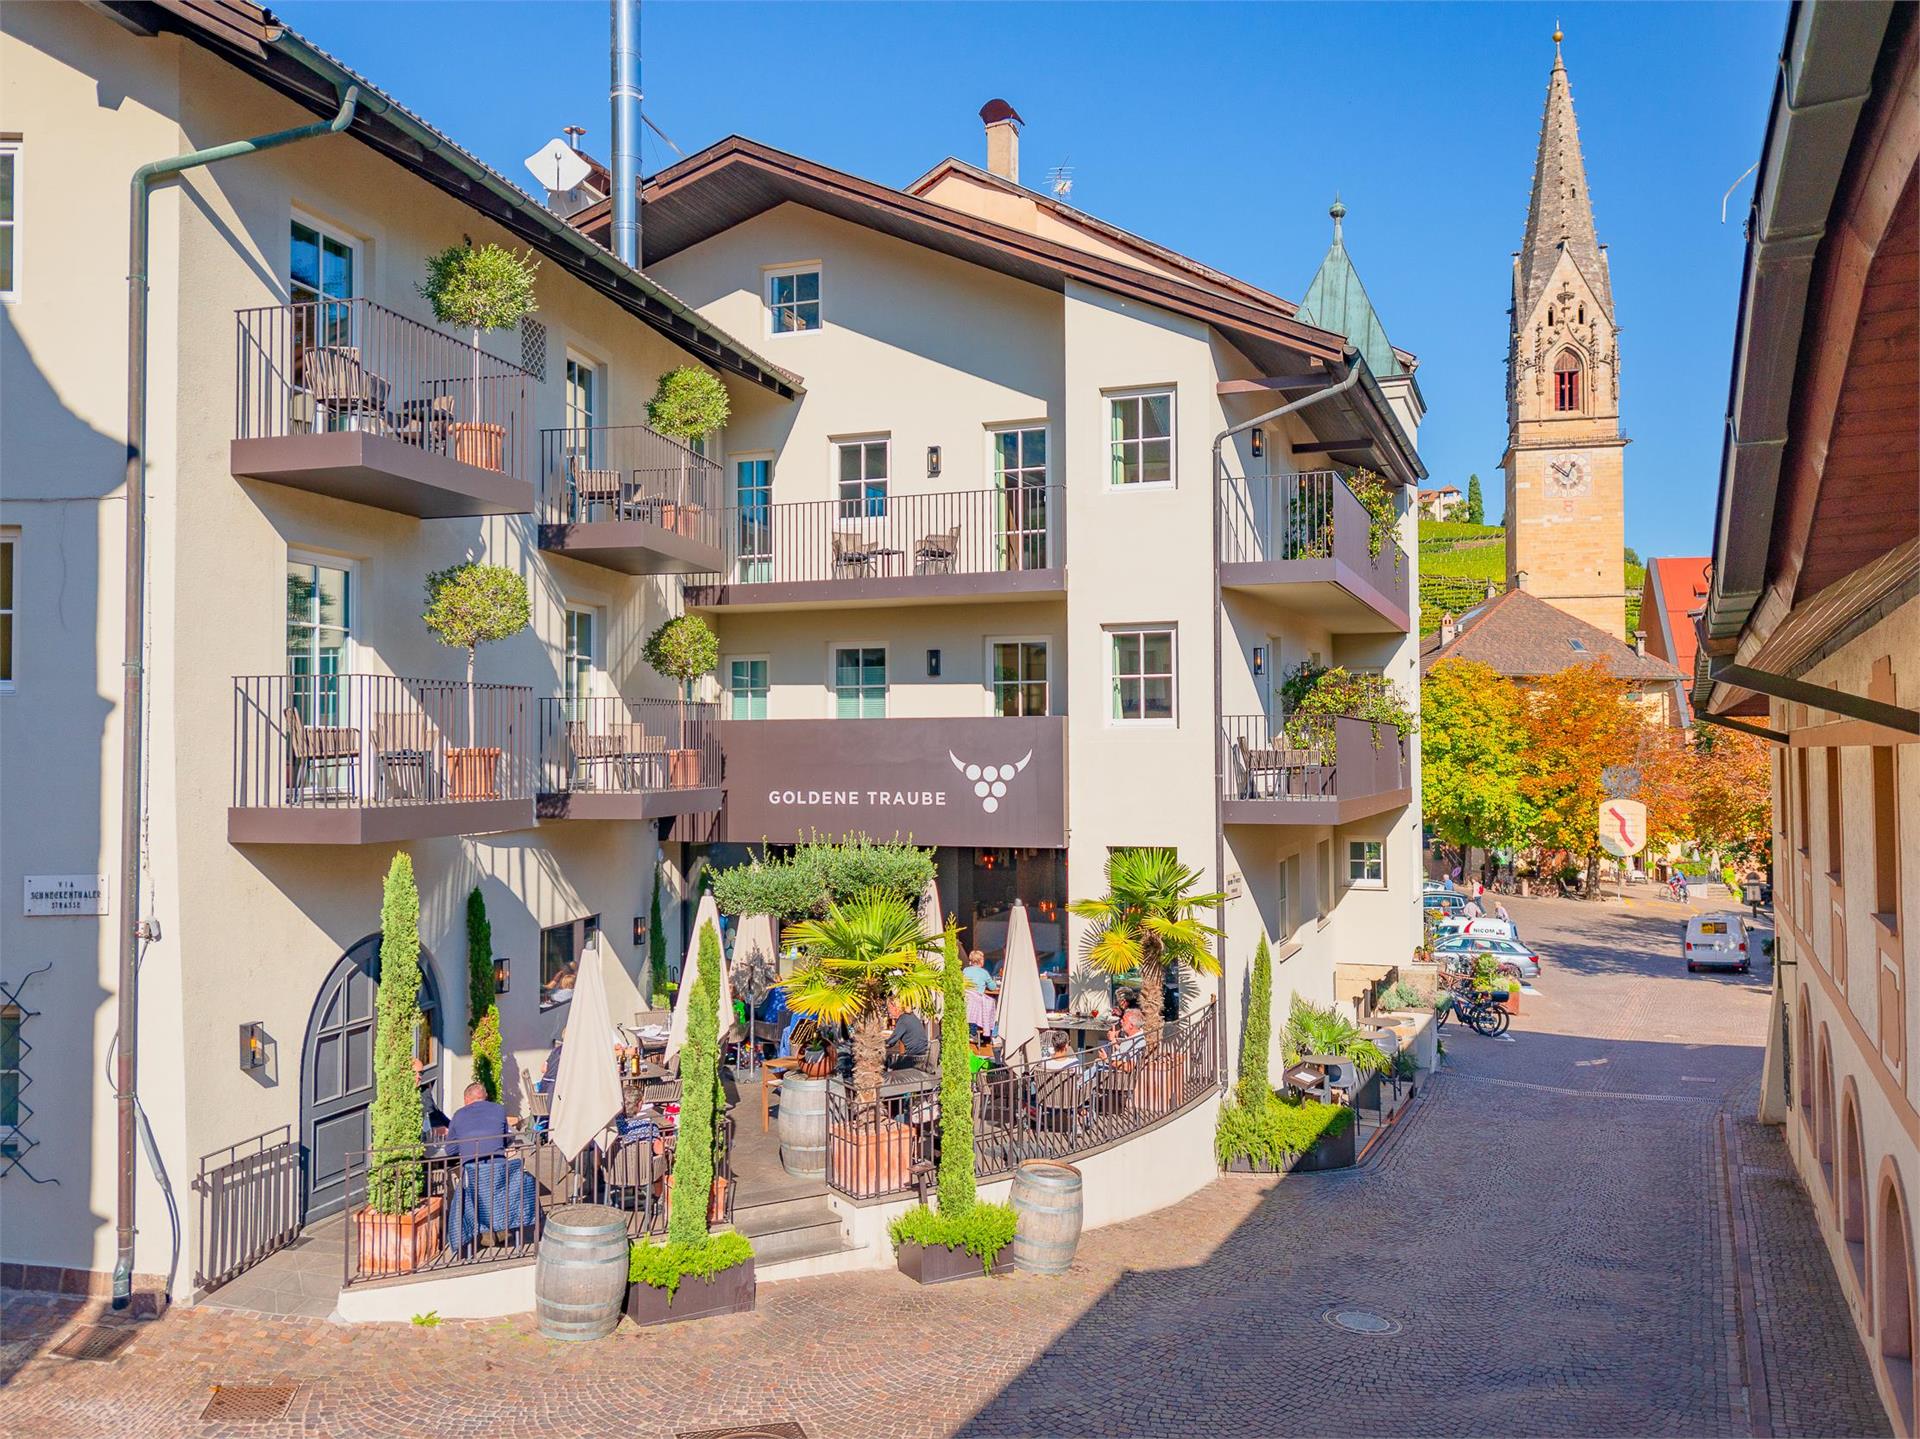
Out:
{"x": 1458, "y": 561}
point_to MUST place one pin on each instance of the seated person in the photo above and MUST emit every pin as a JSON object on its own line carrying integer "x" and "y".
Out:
{"x": 907, "y": 1042}
{"x": 478, "y": 1129}
{"x": 1126, "y": 1039}
{"x": 1061, "y": 1055}
{"x": 976, "y": 974}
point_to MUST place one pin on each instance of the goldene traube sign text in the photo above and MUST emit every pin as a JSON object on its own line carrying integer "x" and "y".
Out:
{"x": 973, "y": 782}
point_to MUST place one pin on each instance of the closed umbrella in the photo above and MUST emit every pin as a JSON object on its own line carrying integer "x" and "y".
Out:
{"x": 753, "y": 945}
{"x": 931, "y": 920}
{"x": 708, "y": 913}
{"x": 1022, "y": 1010}
{"x": 586, "y": 1091}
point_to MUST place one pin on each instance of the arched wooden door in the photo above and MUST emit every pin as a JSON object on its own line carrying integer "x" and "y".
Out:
{"x": 336, "y": 1069}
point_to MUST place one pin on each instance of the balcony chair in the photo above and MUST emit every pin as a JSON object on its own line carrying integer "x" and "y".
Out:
{"x": 330, "y": 745}
{"x": 345, "y": 388}
{"x": 409, "y": 747}
{"x": 852, "y": 555}
{"x": 935, "y": 553}
{"x": 589, "y": 487}
{"x": 1273, "y": 770}
{"x": 620, "y": 756}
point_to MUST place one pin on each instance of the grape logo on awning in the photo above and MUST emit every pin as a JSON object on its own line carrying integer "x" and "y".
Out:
{"x": 989, "y": 780}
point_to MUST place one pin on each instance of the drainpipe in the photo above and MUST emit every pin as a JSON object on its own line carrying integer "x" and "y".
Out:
{"x": 1355, "y": 369}
{"x": 133, "y": 930}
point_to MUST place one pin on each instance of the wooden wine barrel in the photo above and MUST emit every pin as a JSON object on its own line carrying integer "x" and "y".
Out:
{"x": 580, "y": 1279}
{"x": 1048, "y": 1207}
{"x": 803, "y": 1126}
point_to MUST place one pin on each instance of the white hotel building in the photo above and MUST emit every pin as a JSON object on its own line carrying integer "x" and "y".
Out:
{"x": 993, "y": 494}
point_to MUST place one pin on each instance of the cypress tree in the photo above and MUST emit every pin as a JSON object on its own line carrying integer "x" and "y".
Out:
{"x": 1476, "y": 506}
{"x": 956, "y": 1086}
{"x": 395, "y": 1179}
{"x": 656, "y": 946}
{"x": 1256, "y": 1044}
{"x": 483, "y": 1015}
{"x": 699, "y": 1080}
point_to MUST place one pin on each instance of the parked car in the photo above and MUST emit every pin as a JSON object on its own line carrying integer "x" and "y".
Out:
{"x": 1717, "y": 941}
{"x": 1516, "y": 960}
{"x": 1485, "y": 924}
{"x": 1436, "y": 886}
{"x": 1443, "y": 905}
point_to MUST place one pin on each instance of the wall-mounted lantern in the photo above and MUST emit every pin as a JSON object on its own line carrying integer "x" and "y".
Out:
{"x": 253, "y": 1046}
{"x": 502, "y": 973}
{"x": 933, "y": 664}
{"x": 1257, "y": 439}
{"x": 1259, "y": 660}
{"x": 933, "y": 462}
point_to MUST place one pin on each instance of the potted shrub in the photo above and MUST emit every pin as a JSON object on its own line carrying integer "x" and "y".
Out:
{"x": 683, "y": 649}
{"x": 688, "y": 403}
{"x": 1285, "y": 1133}
{"x": 964, "y": 1237}
{"x": 400, "y": 1227}
{"x": 484, "y": 288}
{"x": 469, "y": 605}
{"x": 695, "y": 1272}
{"x": 852, "y": 962}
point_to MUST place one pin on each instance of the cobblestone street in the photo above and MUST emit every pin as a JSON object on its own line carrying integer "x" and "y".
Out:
{"x": 1578, "y": 1232}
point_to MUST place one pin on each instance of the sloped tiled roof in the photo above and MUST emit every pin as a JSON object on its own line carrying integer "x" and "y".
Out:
{"x": 1523, "y": 637}
{"x": 1675, "y": 596}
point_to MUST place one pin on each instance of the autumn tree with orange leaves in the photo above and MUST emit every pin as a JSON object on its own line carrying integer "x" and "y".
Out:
{"x": 1579, "y": 722}
{"x": 1732, "y": 784}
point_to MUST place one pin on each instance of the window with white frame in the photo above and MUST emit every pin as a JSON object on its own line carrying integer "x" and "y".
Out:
{"x": 1366, "y": 864}
{"x": 319, "y": 634}
{"x": 862, "y": 468}
{"x": 1286, "y": 897}
{"x": 583, "y": 401}
{"x": 577, "y": 667}
{"x": 1020, "y": 475}
{"x": 793, "y": 299}
{"x": 1323, "y": 867}
{"x": 1140, "y": 437}
{"x": 9, "y": 219}
{"x": 323, "y": 275}
{"x": 860, "y": 681}
{"x": 1140, "y": 664}
{"x": 9, "y": 543}
{"x": 1018, "y": 674}
{"x": 747, "y": 687}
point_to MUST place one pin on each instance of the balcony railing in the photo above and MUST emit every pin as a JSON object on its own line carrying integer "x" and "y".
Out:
{"x": 347, "y": 743}
{"x": 1025, "y": 1110}
{"x": 250, "y": 1205}
{"x": 1290, "y": 521}
{"x": 627, "y": 746}
{"x": 962, "y": 533}
{"x": 1337, "y": 769}
{"x": 354, "y": 367}
{"x": 629, "y": 474}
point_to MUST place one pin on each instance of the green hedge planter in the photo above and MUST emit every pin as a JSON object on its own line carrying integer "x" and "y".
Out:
{"x": 944, "y": 1263}
{"x": 731, "y": 1291}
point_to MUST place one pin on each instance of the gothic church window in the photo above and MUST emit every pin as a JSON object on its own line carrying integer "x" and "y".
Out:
{"x": 1566, "y": 382}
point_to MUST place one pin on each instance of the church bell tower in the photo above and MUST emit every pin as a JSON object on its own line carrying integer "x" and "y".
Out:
{"x": 1566, "y": 522}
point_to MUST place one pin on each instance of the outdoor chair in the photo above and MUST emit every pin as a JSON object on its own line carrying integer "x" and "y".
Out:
{"x": 1060, "y": 1100}
{"x": 426, "y": 422}
{"x": 327, "y": 746}
{"x": 1273, "y": 771}
{"x": 345, "y": 388}
{"x": 590, "y": 487}
{"x": 935, "y": 553}
{"x": 408, "y": 746}
{"x": 628, "y": 1180}
{"x": 851, "y": 554}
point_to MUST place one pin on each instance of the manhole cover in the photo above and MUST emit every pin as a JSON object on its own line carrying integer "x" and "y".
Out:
{"x": 781, "y": 1429}
{"x": 96, "y": 1341}
{"x": 246, "y": 1403}
{"x": 1361, "y": 1321}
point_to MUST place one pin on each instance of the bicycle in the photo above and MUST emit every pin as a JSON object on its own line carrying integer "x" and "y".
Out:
{"x": 1477, "y": 1009}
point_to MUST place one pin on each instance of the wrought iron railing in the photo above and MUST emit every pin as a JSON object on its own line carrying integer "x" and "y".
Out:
{"x": 627, "y": 746}
{"x": 250, "y": 1205}
{"x": 630, "y": 472}
{"x": 486, "y": 1210}
{"x": 964, "y": 532}
{"x": 346, "y": 741}
{"x": 1305, "y": 516}
{"x": 335, "y": 365}
{"x": 1031, "y": 1109}
{"x": 1328, "y": 757}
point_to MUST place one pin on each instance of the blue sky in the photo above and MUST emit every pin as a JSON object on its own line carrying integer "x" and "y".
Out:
{"x": 1222, "y": 131}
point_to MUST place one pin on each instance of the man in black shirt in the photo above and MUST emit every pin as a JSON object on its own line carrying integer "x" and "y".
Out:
{"x": 907, "y": 1042}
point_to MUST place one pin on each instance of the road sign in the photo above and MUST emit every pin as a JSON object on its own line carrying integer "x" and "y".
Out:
{"x": 1623, "y": 827}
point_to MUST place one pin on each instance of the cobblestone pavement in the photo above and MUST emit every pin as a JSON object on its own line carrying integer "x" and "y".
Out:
{"x": 1550, "y": 1236}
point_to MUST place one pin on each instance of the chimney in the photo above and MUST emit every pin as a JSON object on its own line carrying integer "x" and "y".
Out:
{"x": 624, "y": 92}
{"x": 1449, "y": 628}
{"x": 1640, "y": 643}
{"x": 1003, "y": 124}
{"x": 1493, "y": 588}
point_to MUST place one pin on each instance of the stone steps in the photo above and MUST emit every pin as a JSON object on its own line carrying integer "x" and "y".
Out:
{"x": 794, "y": 1228}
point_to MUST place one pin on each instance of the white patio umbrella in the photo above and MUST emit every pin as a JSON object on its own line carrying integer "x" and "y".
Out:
{"x": 1022, "y": 1009}
{"x": 753, "y": 943}
{"x": 708, "y": 913}
{"x": 586, "y": 1091}
{"x": 931, "y": 920}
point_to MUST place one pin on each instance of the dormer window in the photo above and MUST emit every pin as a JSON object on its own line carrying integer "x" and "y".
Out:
{"x": 1566, "y": 382}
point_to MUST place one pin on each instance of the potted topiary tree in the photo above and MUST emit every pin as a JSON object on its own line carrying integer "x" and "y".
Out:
{"x": 484, "y": 288}
{"x": 688, "y": 404}
{"x": 683, "y": 649}
{"x": 401, "y": 1226}
{"x": 721, "y": 1261}
{"x": 469, "y": 605}
{"x": 964, "y": 1237}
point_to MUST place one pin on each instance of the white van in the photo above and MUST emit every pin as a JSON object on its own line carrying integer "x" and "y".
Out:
{"x": 1486, "y": 925}
{"x": 1717, "y": 941}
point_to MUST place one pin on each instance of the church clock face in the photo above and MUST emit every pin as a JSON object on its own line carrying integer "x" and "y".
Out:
{"x": 1569, "y": 474}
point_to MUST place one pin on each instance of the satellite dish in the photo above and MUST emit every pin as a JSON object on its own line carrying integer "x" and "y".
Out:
{"x": 558, "y": 166}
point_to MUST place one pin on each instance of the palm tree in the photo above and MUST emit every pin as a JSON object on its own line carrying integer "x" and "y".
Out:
{"x": 863, "y": 953}
{"x": 1148, "y": 921}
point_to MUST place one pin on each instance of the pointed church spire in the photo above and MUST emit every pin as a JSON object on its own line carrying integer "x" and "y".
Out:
{"x": 1560, "y": 210}
{"x": 1337, "y": 301}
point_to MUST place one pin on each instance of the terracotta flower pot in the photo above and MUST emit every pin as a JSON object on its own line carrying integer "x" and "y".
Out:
{"x": 880, "y": 1157}
{"x": 683, "y": 769}
{"x": 481, "y": 445}
{"x": 399, "y": 1243}
{"x": 474, "y": 773}
{"x": 716, "y": 1203}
